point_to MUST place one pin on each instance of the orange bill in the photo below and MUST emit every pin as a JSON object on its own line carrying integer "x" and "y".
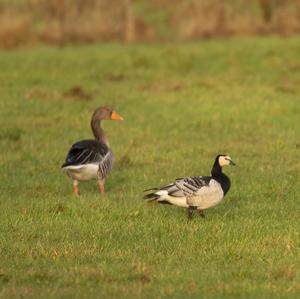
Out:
{"x": 116, "y": 116}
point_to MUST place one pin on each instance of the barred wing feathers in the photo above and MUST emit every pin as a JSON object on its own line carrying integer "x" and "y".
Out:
{"x": 182, "y": 187}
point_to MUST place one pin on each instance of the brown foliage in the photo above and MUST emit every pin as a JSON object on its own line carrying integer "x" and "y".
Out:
{"x": 86, "y": 21}
{"x": 209, "y": 18}
{"x": 14, "y": 31}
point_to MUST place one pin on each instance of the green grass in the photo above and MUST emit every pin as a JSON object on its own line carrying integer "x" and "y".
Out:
{"x": 182, "y": 105}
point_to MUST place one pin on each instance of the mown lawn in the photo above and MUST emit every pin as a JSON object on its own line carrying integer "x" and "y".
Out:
{"x": 182, "y": 105}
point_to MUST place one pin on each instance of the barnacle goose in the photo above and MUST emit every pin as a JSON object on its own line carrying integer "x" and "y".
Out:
{"x": 197, "y": 192}
{"x": 92, "y": 158}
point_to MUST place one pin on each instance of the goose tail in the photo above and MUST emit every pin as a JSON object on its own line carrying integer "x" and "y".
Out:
{"x": 157, "y": 195}
{"x": 151, "y": 196}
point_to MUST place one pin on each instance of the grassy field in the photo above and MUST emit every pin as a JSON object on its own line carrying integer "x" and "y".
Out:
{"x": 182, "y": 105}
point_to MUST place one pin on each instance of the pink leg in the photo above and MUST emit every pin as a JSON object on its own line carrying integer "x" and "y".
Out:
{"x": 101, "y": 186}
{"x": 75, "y": 188}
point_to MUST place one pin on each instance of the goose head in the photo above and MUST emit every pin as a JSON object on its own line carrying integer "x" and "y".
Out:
{"x": 224, "y": 160}
{"x": 102, "y": 113}
{"x": 106, "y": 113}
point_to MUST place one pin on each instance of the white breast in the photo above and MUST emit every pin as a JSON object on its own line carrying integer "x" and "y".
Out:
{"x": 208, "y": 196}
{"x": 83, "y": 172}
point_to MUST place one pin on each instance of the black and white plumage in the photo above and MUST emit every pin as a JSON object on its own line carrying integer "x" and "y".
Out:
{"x": 197, "y": 192}
{"x": 91, "y": 158}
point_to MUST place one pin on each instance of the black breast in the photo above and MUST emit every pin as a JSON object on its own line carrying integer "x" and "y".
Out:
{"x": 224, "y": 181}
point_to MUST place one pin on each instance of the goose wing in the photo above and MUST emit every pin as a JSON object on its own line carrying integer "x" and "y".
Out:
{"x": 189, "y": 186}
{"x": 207, "y": 196}
{"x": 90, "y": 152}
{"x": 181, "y": 188}
{"x": 199, "y": 191}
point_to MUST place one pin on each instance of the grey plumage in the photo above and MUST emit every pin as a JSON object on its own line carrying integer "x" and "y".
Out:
{"x": 183, "y": 186}
{"x": 92, "y": 158}
{"x": 106, "y": 164}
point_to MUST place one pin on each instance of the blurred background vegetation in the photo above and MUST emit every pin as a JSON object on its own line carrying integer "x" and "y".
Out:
{"x": 26, "y": 22}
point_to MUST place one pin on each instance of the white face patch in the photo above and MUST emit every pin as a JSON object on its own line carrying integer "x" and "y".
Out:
{"x": 224, "y": 160}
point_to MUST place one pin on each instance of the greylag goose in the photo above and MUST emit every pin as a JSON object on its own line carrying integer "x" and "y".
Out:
{"x": 197, "y": 192}
{"x": 92, "y": 158}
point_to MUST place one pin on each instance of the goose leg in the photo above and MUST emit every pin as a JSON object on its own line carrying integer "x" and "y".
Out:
{"x": 75, "y": 188}
{"x": 101, "y": 186}
{"x": 190, "y": 212}
{"x": 201, "y": 213}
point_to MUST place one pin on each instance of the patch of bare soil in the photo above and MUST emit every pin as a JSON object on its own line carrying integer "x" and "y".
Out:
{"x": 78, "y": 93}
{"x": 161, "y": 87}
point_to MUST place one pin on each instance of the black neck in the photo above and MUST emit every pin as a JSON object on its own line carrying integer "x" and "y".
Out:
{"x": 220, "y": 177}
{"x": 98, "y": 131}
{"x": 216, "y": 169}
